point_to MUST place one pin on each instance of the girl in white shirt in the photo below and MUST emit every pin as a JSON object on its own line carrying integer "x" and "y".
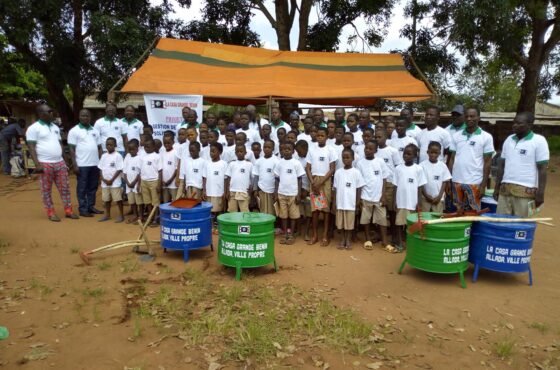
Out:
{"x": 169, "y": 171}
{"x": 193, "y": 170}
{"x": 263, "y": 175}
{"x": 213, "y": 180}
{"x": 238, "y": 189}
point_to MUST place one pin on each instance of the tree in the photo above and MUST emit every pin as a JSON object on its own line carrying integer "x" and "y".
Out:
{"x": 82, "y": 46}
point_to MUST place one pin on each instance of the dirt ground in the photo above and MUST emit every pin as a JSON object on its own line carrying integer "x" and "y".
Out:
{"x": 47, "y": 299}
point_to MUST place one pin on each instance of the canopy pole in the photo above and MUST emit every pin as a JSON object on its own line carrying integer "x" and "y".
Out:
{"x": 111, "y": 94}
{"x": 269, "y": 103}
{"x": 430, "y": 87}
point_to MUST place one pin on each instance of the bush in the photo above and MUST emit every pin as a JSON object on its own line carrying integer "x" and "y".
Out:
{"x": 554, "y": 144}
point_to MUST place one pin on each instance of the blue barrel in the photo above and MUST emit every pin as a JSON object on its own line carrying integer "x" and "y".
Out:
{"x": 502, "y": 247}
{"x": 186, "y": 228}
{"x": 489, "y": 202}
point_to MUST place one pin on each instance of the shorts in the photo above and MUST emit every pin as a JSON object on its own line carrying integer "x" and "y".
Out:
{"x": 238, "y": 202}
{"x": 402, "y": 214}
{"x": 169, "y": 194}
{"x": 180, "y": 189}
{"x": 345, "y": 219}
{"x": 150, "y": 194}
{"x": 266, "y": 205}
{"x": 305, "y": 207}
{"x": 373, "y": 212}
{"x": 326, "y": 189}
{"x": 111, "y": 194}
{"x": 426, "y": 206}
{"x": 287, "y": 207}
{"x": 512, "y": 205}
{"x": 390, "y": 196}
{"x": 217, "y": 204}
{"x": 193, "y": 193}
{"x": 466, "y": 196}
{"x": 134, "y": 198}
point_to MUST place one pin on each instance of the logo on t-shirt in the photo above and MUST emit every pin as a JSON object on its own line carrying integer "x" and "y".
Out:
{"x": 195, "y": 170}
{"x": 523, "y": 151}
{"x": 401, "y": 149}
{"x": 116, "y": 128}
{"x": 321, "y": 159}
{"x": 169, "y": 163}
{"x": 289, "y": 170}
{"x": 216, "y": 173}
{"x": 376, "y": 173}
{"x": 348, "y": 184}
{"x": 112, "y": 164}
{"x": 386, "y": 160}
{"x": 410, "y": 180}
{"x": 242, "y": 170}
{"x": 436, "y": 177}
{"x": 149, "y": 163}
{"x": 472, "y": 143}
{"x": 133, "y": 168}
{"x": 269, "y": 170}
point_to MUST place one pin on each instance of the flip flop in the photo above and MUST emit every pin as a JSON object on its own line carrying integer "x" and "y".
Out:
{"x": 290, "y": 239}
{"x": 103, "y": 219}
{"x": 325, "y": 242}
{"x": 312, "y": 241}
{"x": 391, "y": 249}
{"x": 131, "y": 221}
{"x": 368, "y": 245}
{"x": 341, "y": 245}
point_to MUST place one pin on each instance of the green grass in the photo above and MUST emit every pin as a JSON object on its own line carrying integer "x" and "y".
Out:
{"x": 554, "y": 144}
{"x": 504, "y": 348}
{"x": 74, "y": 250}
{"x": 540, "y": 326}
{"x": 42, "y": 288}
{"x": 129, "y": 265}
{"x": 93, "y": 292}
{"x": 104, "y": 266}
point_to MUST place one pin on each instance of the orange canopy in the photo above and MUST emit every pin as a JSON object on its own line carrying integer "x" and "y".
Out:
{"x": 238, "y": 75}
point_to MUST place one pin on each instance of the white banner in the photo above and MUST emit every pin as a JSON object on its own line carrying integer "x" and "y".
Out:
{"x": 165, "y": 111}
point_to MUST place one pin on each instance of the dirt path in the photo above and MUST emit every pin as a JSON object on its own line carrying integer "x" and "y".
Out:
{"x": 68, "y": 313}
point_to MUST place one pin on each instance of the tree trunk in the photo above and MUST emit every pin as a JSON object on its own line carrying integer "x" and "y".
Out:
{"x": 56, "y": 93}
{"x": 529, "y": 90}
{"x": 305, "y": 10}
{"x": 282, "y": 24}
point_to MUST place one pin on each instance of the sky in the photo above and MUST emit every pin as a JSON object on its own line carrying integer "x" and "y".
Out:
{"x": 262, "y": 27}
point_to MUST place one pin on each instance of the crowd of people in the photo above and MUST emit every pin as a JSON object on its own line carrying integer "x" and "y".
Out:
{"x": 348, "y": 173}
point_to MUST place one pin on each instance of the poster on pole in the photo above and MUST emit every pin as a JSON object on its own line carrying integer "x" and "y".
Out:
{"x": 165, "y": 111}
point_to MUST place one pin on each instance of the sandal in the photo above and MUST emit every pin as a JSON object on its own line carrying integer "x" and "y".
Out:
{"x": 368, "y": 245}
{"x": 289, "y": 239}
{"x": 325, "y": 242}
{"x": 341, "y": 245}
{"x": 391, "y": 249}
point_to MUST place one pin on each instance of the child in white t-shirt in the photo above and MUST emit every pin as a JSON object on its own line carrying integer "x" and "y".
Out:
{"x": 263, "y": 175}
{"x": 150, "y": 175}
{"x": 437, "y": 180}
{"x": 213, "y": 180}
{"x": 302, "y": 147}
{"x": 238, "y": 189}
{"x": 169, "y": 170}
{"x": 409, "y": 180}
{"x": 182, "y": 146}
{"x": 111, "y": 165}
{"x": 402, "y": 139}
{"x": 288, "y": 184}
{"x": 131, "y": 171}
{"x": 347, "y": 185}
{"x": 228, "y": 154}
{"x": 347, "y": 143}
{"x": 193, "y": 169}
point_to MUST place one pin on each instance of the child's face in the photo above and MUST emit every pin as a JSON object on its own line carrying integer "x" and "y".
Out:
{"x": 351, "y": 123}
{"x": 240, "y": 139}
{"x": 291, "y": 137}
{"x": 294, "y": 123}
{"x": 212, "y": 137}
{"x": 191, "y": 117}
{"x": 147, "y": 130}
{"x": 268, "y": 149}
{"x": 185, "y": 113}
{"x": 287, "y": 151}
{"x": 194, "y": 152}
{"x": 204, "y": 138}
{"x": 168, "y": 143}
{"x": 401, "y": 128}
{"x": 132, "y": 149}
{"x": 380, "y": 137}
{"x": 369, "y": 150}
{"x": 182, "y": 136}
{"x": 307, "y": 123}
{"x": 214, "y": 153}
{"x": 158, "y": 145}
{"x": 192, "y": 135}
{"x": 149, "y": 147}
{"x": 313, "y": 133}
{"x": 379, "y": 126}
{"x": 347, "y": 158}
{"x": 211, "y": 120}
{"x": 408, "y": 155}
{"x": 301, "y": 151}
{"x": 110, "y": 145}
{"x": 265, "y": 131}
{"x": 222, "y": 125}
{"x": 338, "y": 134}
{"x": 331, "y": 130}
{"x": 281, "y": 135}
{"x": 367, "y": 136}
{"x": 142, "y": 140}
{"x": 321, "y": 137}
{"x": 256, "y": 149}
{"x": 347, "y": 140}
{"x": 203, "y": 127}
{"x": 245, "y": 121}
{"x": 240, "y": 152}
{"x": 433, "y": 153}
{"x": 230, "y": 137}
{"x": 390, "y": 128}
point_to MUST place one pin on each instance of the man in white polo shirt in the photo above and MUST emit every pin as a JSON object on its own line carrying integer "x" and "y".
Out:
{"x": 411, "y": 129}
{"x": 276, "y": 123}
{"x": 133, "y": 127}
{"x": 433, "y": 132}
{"x": 471, "y": 153}
{"x": 85, "y": 150}
{"x": 522, "y": 167}
{"x": 45, "y": 146}
{"x": 111, "y": 126}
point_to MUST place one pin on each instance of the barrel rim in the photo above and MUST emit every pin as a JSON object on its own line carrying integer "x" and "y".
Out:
{"x": 201, "y": 207}
{"x": 262, "y": 219}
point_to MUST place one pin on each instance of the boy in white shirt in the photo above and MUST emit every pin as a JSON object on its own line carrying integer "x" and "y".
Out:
{"x": 287, "y": 193}
{"x": 347, "y": 187}
{"x": 401, "y": 139}
{"x": 263, "y": 175}
{"x": 193, "y": 168}
{"x": 204, "y": 145}
{"x": 131, "y": 171}
{"x": 179, "y": 178}
{"x": 409, "y": 179}
{"x": 347, "y": 143}
{"x": 151, "y": 175}
{"x": 228, "y": 154}
{"x": 169, "y": 170}
{"x": 437, "y": 180}
{"x": 111, "y": 166}
{"x": 238, "y": 189}
{"x": 302, "y": 147}
{"x": 213, "y": 180}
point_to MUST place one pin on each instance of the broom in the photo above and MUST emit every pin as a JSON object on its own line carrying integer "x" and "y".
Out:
{"x": 419, "y": 226}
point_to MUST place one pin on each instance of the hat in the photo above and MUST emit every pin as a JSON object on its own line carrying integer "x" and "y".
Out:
{"x": 458, "y": 109}
{"x": 294, "y": 114}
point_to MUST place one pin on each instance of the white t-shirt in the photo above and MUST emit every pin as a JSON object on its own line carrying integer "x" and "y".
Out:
{"x": 215, "y": 174}
{"x": 374, "y": 171}
{"x": 193, "y": 170}
{"x": 470, "y": 151}
{"x": 400, "y": 143}
{"x": 46, "y": 137}
{"x": 205, "y": 153}
{"x": 222, "y": 140}
{"x": 264, "y": 169}
{"x": 85, "y": 141}
{"x": 358, "y": 137}
{"x": 274, "y": 128}
{"x": 522, "y": 157}
{"x": 133, "y": 129}
{"x": 339, "y": 164}
{"x": 151, "y": 165}
{"x": 438, "y": 134}
{"x": 436, "y": 174}
{"x": 305, "y": 137}
{"x": 408, "y": 179}
{"x": 320, "y": 159}
{"x": 391, "y": 157}
{"x": 239, "y": 173}
{"x": 413, "y": 131}
{"x": 169, "y": 166}
{"x": 252, "y": 136}
{"x": 346, "y": 182}
{"x": 131, "y": 168}
{"x": 109, "y": 164}
{"x": 330, "y": 142}
{"x": 304, "y": 179}
{"x": 288, "y": 171}
{"x": 114, "y": 128}
{"x": 228, "y": 154}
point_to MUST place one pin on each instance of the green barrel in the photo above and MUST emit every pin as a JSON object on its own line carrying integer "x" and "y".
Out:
{"x": 440, "y": 248}
{"x": 246, "y": 240}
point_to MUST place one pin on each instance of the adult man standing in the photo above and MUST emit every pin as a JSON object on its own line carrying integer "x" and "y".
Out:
{"x": 364, "y": 120}
{"x": 319, "y": 117}
{"x": 471, "y": 153}
{"x": 256, "y": 121}
{"x": 411, "y": 130}
{"x": 133, "y": 127}
{"x": 111, "y": 126}
{"x": 184, "y": 124}
{"x": 85, "y": 150}
{"x": 522, "y": 167}
{"x": 457, "y": 119}
{"x": 433, "y": 132}
{"x": 340, "y": 117}
{"x": 14, "y": 130}
{"x": 276, "y": 123}
{"x": 45, "y": 146}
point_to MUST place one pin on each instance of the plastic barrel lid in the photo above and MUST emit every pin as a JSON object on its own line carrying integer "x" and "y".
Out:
{"x": 4, "y": 333}
{"x": 251, "y": 218}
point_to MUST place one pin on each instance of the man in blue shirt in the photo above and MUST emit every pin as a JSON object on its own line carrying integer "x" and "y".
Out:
{"x": 14, "y": 130}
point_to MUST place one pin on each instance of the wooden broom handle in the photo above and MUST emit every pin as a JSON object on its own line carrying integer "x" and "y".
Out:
{"x": 482, "y": 218}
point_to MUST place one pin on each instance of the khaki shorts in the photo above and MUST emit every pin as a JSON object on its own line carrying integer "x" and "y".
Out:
{"x": 327, "y": 190}
{"x": 217, "y": 204}
{"x": 389, "y": 196}
{"x": 180, "y": 189}
{"x": 345, "y": 219}
{"x": 373, "y": 212}
{"x": 402, "y": 214}
{"x": 287, "y": 207}
{"x": 193, "y": 193}
{"x": 169, "y": 194}
{"x": 238, "y": 202}
{"x": 426, "y": 206}
{"x": 512, "y": 205}
{"x": 266, "y": 205}
{"x": 135, "y": 198}
{"x": 150, "y": 194}
{"x": 111, "y": 194}
{"x": 305, "y": 207}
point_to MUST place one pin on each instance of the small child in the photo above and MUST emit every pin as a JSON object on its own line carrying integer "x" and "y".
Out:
{"x": 150, "y": 175}
{"x": 347, "y": 187}
{"x": 204, "y": 147}
{"x": 437, "y": 180}
{"x": 307, "y": 123}
{"x": 131, "y": 170}
{"x": 302, "y": 147}
{"x": 213, "y": 180}
{"x": 280, "y": 135}
{"x": 111, "y": 165}
{"x": 229, "y": 150}
{"x": 287, "y": 193}
{"x": 367, "y": 136}
{"x": 409, "y": 180}
{"x": 402, "y": 139}
{"x": 263, "y": 175}
{"x": 241, "y": 139}
{"x": 347, "y": 143}
{"x": 193, "y": 170}
{"x": 238, "y": 190}
{"x": 256, "y": 149}
{"x": 390, "y": 128}
{"x": 179, "y": 178}
{"x": 338, "y": 134}
{"x": 331, "y": 133}
{"x": 222, "y": 129}
{"x": 158, "y": 145}
{"x": 169, "y": 170}
{"x": 352, "y": 127}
